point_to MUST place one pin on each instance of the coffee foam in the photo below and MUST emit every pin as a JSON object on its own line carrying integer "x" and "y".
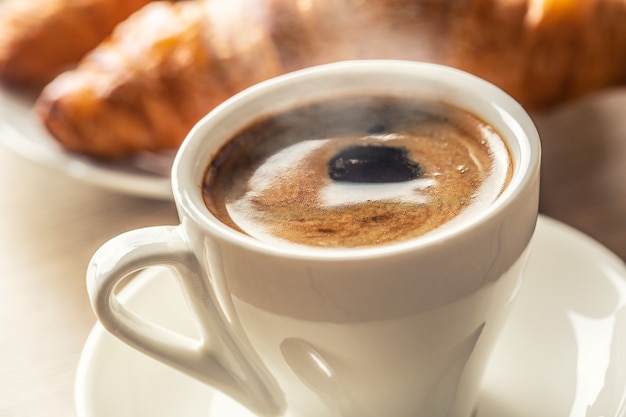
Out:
{"x": 493, "y": 184}
{"x": 287, "y": 197}
{"x": 284, "y": 165}
{"x": 281, "y": 165}
{"x": 337, "y": 194}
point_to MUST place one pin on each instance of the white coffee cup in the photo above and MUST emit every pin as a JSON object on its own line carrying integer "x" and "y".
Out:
{"x": 401, "y": 330}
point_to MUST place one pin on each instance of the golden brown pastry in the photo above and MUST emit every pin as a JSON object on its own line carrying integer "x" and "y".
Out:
{"x": 143, "y": 89}
{"x": 543, "y": 52}
{"x": 40, "y": 39}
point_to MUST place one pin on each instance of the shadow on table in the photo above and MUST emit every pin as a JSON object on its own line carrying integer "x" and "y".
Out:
{"x": 583, "y": 168}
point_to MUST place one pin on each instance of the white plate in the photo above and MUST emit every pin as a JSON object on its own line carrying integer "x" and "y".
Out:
{"x": 145, "y": 175}
{"x": 562, "y": 354}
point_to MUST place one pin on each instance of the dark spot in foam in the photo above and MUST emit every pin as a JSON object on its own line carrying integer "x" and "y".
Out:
{"x": 376, "y": 129}
{"x": 373, "y": 164}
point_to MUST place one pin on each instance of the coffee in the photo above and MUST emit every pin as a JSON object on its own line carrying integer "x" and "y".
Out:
{"x": 356, "y": 171}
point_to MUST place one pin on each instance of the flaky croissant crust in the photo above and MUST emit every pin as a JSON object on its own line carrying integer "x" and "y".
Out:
{"x": 40, "y": 39}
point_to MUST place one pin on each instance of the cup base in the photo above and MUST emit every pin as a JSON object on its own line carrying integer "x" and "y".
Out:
{"x": 113, "y": 379}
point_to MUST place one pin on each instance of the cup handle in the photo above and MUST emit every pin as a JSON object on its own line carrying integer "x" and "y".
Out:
{"x": 215, "y": 358}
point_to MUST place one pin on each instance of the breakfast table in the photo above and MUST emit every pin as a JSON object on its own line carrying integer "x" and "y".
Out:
{"x": 51, "y": 223}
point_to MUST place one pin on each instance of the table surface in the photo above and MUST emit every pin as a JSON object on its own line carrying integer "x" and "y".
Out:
{"x": 51, "y": 224}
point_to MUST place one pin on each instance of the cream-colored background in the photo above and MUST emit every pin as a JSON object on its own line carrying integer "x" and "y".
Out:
{"x": 49, "y": 227}
{"x": 51, "y": 224}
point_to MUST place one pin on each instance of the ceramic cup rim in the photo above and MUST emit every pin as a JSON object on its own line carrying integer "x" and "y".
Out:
{"x": 200, "y": 146}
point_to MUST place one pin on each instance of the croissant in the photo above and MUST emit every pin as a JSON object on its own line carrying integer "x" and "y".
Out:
{"x": 40, "y": 39}
{"x": 142, "y": 89}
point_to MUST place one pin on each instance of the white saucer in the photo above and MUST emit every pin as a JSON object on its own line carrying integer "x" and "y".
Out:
{"x": 562, "y": 354}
